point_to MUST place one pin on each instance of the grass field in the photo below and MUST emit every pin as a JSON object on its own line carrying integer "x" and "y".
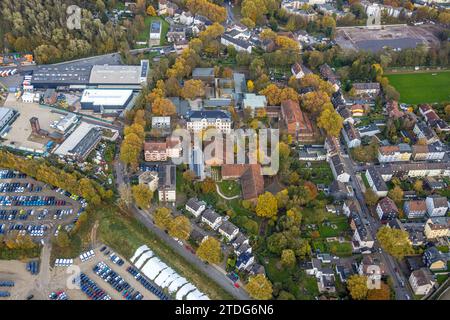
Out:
{"x": 144, "y": 35}
{"x": 418, "y": 88}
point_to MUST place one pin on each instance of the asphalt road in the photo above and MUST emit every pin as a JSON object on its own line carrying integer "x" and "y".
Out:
{"x": 401, "y": 291}
{"x": 212, "y": 272}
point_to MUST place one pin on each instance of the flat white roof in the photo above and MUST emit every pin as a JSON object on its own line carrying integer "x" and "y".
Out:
{"x": 80, "y": 132}
{"x": 105, "y": 74}
{"x": 106, "y": 97}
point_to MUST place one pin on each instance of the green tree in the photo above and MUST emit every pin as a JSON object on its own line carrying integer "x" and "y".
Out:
{"x": 162, "y": 218}
{"x": 370, "y": 197}
{"x": 142, "y": 195}
{"x": 357, "y": 286}
{"x": 288, "y": 258}
{"x": 180, "y": 228}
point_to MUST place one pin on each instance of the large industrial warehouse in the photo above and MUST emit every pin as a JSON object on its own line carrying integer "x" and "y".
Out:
{"x": 106, "y": 100}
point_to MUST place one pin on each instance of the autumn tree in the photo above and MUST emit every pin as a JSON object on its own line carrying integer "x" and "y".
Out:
{"x": 193, "y": 89}
{"x": 396, "y": 194}
{"x": 259, "y": 287}
{"x": 267, "y": 206}
{"x": 162, "y": 218}
{"x": 208, "y": 185}
{"x": 384, "y": 293}
{"x": 313, "y": 102}
{"x": 250, "y": 86}
{"x": 330, "y": 120}
{"x": 418, "y": 185}
{"x": 142, "y": 195}
{"x": 288, "y": 258}
{"x": 370, "y": 197}
{"x": 210, "y": 251}
{"x": 357, "y": 286}
{"x": 180, "y": 228}
{"x": 151, "y": 11}
{"x": 172, "y": 87}
{"x": 395, "y": 242}
{"x": 163, "y": 107}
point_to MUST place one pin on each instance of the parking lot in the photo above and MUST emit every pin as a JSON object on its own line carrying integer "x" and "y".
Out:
{"x": 31, "y": 207}
{"x": 103, "y": 277}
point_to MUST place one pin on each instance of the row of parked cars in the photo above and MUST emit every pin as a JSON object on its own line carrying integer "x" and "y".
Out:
{"x": 9, "y": 174}
{"x": 112, "y": 256}
{"x": 30, "y": 201}
{"x": 4, "y": 294}
{"x": 90, "y": 288}
{"x": 33, "y": 267}
{"x": 87, "y": 255}
{"x": 18, "y": 187}
{"x": 6, "y": 283}
{"x": 10, "y": 215}
{"x": 63, "y": 262}
{"x": 34, "y": 231}
{"x": 116, "y": 281}
{"x": 147, "y": 284}
{"x": 59, "y": 295}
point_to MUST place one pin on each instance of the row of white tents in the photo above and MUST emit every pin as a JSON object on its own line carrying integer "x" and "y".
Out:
{"x": 165, "y": 277}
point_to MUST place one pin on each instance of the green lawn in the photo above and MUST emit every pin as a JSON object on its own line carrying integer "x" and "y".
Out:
{"x": 418, "y": 88}
{"x": 229, "y": 188}
{"x": 143, "y": 36}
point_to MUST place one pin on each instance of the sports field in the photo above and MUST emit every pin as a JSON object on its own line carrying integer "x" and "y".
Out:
{"x": 425, "y": 87}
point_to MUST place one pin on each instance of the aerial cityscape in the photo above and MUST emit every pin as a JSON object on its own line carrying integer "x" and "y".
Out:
{"x": 254, "y": 150}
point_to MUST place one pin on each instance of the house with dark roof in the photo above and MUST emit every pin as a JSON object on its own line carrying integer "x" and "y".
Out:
{"x": 238, "y": 43}
{"x": 362, "y": 239}
{"x": 437, "y": 227}
{"x": 372, "y": 88}
{"x": 244, "y": 261}
{"x": 435, "y": 260}
{"x": 297, "y": 71}
{"x": 387, "y": 209}
{"x": 422, "y": 281}
{"x": 228, "y": 230}
{"x": 376, "y": 182}
{"x": 204, "y": 74}
{"x": 195, "y": 206}
{"x": 426, "y": 133}
{"x": 351, "y": 135}
{"x": 437, "y": 206}
{"x": 212, "y": 219}
{"x": 338, "y": 168}
{"x": 372, "y": 267}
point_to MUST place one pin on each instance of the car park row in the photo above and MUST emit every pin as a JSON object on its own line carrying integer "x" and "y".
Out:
{"x": 90, "y": 288}
{"x": 147, "y": 284}
{"x": 116, "y": 281}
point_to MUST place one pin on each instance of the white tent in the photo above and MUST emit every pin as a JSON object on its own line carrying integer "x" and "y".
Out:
{"x": 163, "y": 276}
{"x": 147, "y": 255}
{"x": 184, "y": 290}
{"x": 177, "y": 284}
{"x": 153, "y": 267}
{"x": 138, "y": 252}
{"x": 170, "y": 279}
{"x": 194, "y": 295}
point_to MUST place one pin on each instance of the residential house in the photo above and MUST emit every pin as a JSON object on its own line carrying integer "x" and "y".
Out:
{"x": 387, "y": 209}
{"x": 228, "y": 230}
{"x": 202, "y": 120}
{"x": 167, "y": 180}
{"x": 437, "y": 206}
{"x": 424, "y": 132}
{"x": 212, "y": 219}
{"x": 376, "y": 182}
{"x": 350, "y": 206}
{"x": 167, "y": 8}
{"x": 155, "y": 151}
{"x": 245, "y": 261}
{"x": 415, "y": 209}
{"x": 435, "y": 260}
{"x": 370, "y": 88}
{"x": 312, "y": 154}
{"x": 297, "y": 122}
{"x": 195, "y": 206}
{"x": 332, "y": 145}
{"x": 161, "y": 122}
{"x": 344, "y": 270}
{"x": 150, "y": 179}
{"x": 204, "y": 74}
{"x": 414, "y": 170}
{"x": 297, "y": 71}
{"x": 327, "y": 283}
{"x": 328, "y": 74}
{"x": 434, "y": 151}
{"x": 372, "y": 267}
{"x": 422, "y": 281}
{"x": 338, "y": 168}
{"x": 400, "y": 152}
{"x": 369, "y": 130}
{"x": 351, "y": 135}
{"x": 357, "y": 110}
{"x": 437, "y": 227}
{"x": 176, "y": 34}
{"x": 362, "y": 239}
{"x": 173, "y": 147}
{"x": 186, "y": 18}
{"x": 237, "y": 43}
{"x": 197, "y": 163}
{"x": 340, "y": 191}
{"x": 433, "y": 184}
{"x": 393, "y": 111}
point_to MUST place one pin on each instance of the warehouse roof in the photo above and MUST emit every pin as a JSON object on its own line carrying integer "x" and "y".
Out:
{"x": 61, "y": 74}
{"x": 106, "y": 74}
{"x": 105, "y": 97}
